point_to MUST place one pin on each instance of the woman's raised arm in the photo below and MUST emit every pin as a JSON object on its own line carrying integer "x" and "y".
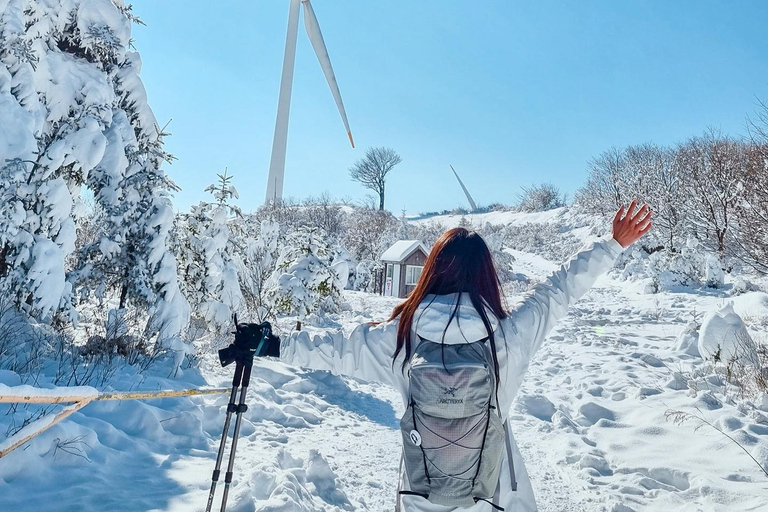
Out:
{"x": 541, "y": 308}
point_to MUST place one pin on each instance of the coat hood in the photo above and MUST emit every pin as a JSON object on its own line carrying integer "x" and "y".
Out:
{"x": 433, "y": 313}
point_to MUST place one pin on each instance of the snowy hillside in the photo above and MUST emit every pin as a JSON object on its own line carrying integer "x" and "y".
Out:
{"x": 595, "y": 420}
{"x": 507, "y": 218}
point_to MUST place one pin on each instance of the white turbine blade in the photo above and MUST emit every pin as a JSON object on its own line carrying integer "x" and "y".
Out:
{"x": 280, "y": 140}
{"x": 466, "y": 192}
{"x": 316, "y": 38}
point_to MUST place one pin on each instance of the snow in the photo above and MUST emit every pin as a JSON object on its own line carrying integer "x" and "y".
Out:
{"x": 751, "y": 305}
{"x": 590, "y": 421}
{"x": 47, "y": 275}
{"x": 59, "y": 391}
{"x": 401, "y": 250}
{"x": 16, "y": 131}
{"x": 591, "y": 418}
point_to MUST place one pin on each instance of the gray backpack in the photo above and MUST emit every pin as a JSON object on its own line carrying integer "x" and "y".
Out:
{"x": 453, "y": 436}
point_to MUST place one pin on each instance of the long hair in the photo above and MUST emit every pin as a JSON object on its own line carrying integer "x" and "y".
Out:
{"x": 459, "y": 262}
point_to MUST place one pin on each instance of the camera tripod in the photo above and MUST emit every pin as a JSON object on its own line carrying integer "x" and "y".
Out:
{"x": 241, "y": 352}
{"x": 240, "y": 381}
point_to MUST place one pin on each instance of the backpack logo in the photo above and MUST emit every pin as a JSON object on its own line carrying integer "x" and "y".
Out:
{"x": 450, "y": 391}
{"x": 415, "y": 437}
{"x": 450, "y": 401}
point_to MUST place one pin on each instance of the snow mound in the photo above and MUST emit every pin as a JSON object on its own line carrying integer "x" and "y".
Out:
{"x": 688, "y": 340}
{"x": 292, "y": 484}
{"x": 724, "y": 335}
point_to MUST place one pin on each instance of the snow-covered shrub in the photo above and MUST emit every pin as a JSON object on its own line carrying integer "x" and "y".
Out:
{"x": 688, "y": 339}
{"x": 322, "y": 212}
{"x": 121, "y": 335}
{"x": 545, "y": 240}
{"x": 369, "y": 232}
{"x": 304, "y": 280}
{"x": 365, "y": 275}
{"x": 690, "y": 266}
{"x": 539, "y": 198}
{"x": 287, "y": 212}
{"x": 428, "y": 232}
{"x": 741, "y": 286}
{"x": 723, "y": 336}
{"x": 494, "y": 237}
{"x": 741, "y": 360}
{"x": 344, "y": 264}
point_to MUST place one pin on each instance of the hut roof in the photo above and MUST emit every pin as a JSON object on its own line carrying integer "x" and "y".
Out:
{"x": 401, "y": 250}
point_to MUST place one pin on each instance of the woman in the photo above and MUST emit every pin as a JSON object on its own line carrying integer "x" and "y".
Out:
{"x": 458, "y": 300}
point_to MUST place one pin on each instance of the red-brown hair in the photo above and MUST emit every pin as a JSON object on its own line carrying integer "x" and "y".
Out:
{"x": 459, "y": 262}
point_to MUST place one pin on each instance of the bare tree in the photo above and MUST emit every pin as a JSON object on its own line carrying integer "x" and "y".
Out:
{"x": 654, "y": 178}
{"x": 714, "y": 168}
{"x": 604, "y": 191}
{"x": 752, "y": 242}
{"x": 372, "y": 169}
{"x": 324, "y": 213}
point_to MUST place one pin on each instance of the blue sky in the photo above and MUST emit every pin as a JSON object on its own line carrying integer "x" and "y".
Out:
{"x": 511, "y": 93}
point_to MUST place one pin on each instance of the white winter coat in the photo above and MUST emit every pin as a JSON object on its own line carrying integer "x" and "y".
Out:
{"x": 367, "y": 352}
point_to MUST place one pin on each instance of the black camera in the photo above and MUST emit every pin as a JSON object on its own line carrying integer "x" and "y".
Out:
{"x": 250, "y": 340}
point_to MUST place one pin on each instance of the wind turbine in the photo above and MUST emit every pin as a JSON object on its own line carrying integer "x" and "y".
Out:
{"x": 466, "y": 192}
{"x": 279, "y": 143}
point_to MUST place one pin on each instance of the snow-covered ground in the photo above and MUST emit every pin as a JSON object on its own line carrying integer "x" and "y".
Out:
{"x": 592, "y": 422}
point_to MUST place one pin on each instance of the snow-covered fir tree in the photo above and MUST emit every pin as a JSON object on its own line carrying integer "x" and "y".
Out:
{"x": 75, "y": 113}
{"x": 258, "y": 257}
{"x": 305, "y": 280}
{"x": 208, "y": 258}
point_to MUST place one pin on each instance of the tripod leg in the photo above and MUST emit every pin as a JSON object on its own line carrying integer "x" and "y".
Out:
{"x": 241, "y": 408}
{"x": 231, "y": 407}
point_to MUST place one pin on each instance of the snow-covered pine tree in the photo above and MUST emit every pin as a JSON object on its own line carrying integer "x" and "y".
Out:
{"x": 304, "y": 280}
{"x": 56, "y": 98}
{"x": 132, "y": 193}
{"x": 208, "y": 257}
{"x": 75, "y": 113}
{"x": 258, "y": 257}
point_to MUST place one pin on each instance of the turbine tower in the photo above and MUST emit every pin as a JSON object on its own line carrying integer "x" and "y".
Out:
{"x": 280, "y": 141}
{"x": 466, "y": 192}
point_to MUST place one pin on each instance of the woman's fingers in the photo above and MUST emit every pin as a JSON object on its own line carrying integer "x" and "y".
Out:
{"x": 645, "y": 217}
{"x": 638, "y": 213}
{"x": 631, "y": 209}
{"x": 646, "y": 228}
{"x": 619, "y": 214}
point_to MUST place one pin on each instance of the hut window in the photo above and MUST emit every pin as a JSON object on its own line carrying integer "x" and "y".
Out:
{"x": 412, "y": 274}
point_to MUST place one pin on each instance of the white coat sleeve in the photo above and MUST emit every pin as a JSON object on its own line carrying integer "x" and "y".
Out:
{"x": 540, "y": 309}
{"x": 365, "y": 354}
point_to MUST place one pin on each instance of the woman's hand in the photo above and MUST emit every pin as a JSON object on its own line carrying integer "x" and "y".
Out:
{"x": 627, "y": 229}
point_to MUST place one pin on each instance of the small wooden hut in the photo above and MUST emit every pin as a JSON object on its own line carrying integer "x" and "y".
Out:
{"x": 403, "y": 263}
